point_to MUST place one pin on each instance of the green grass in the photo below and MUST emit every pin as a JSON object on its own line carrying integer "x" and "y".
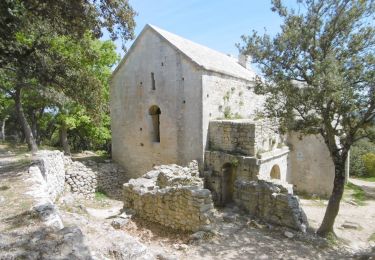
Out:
{"x": 358, "y": 194}
{"x": 372, "y": 237}
{"x": 372, "y": 179}
{"x": 99, "y": 195}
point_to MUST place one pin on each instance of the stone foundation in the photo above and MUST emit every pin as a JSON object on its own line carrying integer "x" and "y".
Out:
{"x": 271, "y": 202}
{"x": 172, "y": 196}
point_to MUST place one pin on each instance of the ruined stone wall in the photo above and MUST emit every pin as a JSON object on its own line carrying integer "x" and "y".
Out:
{"x": 46, "y": 182}
{"x": 243, "y": 136}
{"x": 172, "y": 196}
{"x": 242, "y": 168}
{"x": 85, "y": 178}
{"x": 272, "y": 202}
{"x": 51, "y": 165}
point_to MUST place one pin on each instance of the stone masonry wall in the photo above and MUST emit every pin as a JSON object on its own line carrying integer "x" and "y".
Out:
{"x": 85, "y": 178}
{"x": 46, "y": 183}
{"x": 172, "y": 196}
{"x": 243, "y": 136}
{"x": 272, "y": 202}
{"x": 51, "y": 165}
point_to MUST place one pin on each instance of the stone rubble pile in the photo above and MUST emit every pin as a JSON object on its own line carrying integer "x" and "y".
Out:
{"x": 81, "y": 180}
{"x": 172, "y": 196}
{"x": 271, "y": 202}
{"x": 84, "y": 178}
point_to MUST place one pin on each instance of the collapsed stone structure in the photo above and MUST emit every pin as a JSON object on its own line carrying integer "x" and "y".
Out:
{"x": 272, "y": 202}
{"x": 242, "y": 150}
{"x": 172, "y": 196}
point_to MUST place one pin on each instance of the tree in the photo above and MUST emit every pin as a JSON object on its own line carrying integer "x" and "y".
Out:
{"x": 319, "y": 77}
{"x": 29, "y": 34}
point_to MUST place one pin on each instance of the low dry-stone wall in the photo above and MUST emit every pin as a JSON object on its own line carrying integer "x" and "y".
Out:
{"x": 274, "y": 203}
{"x": 172, "y": 196}
{"x": 46, "y": 178}
{"x": 51, "y": 165}
{"x": 84, "y": 178}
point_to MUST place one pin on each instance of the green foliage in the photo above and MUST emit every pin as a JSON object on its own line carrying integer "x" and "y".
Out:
{"x": 358, "y": 150}
{"x": 226, "y": 96}
{"x": 234, "y": 162}
{"x": 227, "y": 112}
{"x": 100, "y": 195}
{"x": 318, "y": 71}
{"x": 50, "y": 53}
{"x": 318, "y": 77}
{"x": 369, "y": 162}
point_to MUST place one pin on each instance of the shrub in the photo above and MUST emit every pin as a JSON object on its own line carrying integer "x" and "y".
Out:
{"x": 369, "y": 163}
{"x": 358, "y": 150}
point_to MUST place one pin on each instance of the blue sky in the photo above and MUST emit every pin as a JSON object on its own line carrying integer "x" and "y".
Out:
{"x": 216, "y": 24}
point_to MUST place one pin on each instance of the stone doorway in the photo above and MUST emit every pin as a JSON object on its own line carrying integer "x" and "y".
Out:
{"x": 227, "y": 183}
{"x": 275, "y": 172}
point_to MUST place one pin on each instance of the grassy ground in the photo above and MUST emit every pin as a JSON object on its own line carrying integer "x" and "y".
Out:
{"x": 371, "y": 179}
{"x": 357, "y": 194}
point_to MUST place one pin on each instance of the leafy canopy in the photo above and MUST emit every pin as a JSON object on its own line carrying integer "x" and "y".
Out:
{"x": 319, "y": 70}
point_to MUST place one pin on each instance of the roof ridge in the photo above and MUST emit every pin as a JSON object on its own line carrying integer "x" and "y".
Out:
{"x": 201, "y": 55}
{"x": 216, "y": 61}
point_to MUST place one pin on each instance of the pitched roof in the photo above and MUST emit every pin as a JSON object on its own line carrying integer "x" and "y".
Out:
{"x": 203, "y": 56}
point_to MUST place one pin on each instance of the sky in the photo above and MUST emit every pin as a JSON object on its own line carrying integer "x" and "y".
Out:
{"x": 216, "y": 24}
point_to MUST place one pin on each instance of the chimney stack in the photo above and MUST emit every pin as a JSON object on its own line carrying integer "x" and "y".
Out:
{"x": 244, "y": 60}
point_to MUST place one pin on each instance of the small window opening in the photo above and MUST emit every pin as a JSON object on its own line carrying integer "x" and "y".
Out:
{"x": 153, "y": 81}
{"x": 162, "y": 64}
{"x": 155, "y": 112}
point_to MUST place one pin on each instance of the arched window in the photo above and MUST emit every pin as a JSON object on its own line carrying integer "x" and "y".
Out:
{"x": 155, "y": 112}
{"x": 275, "y": 172}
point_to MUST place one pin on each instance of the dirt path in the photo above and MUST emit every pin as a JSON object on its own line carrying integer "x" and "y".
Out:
{"x": 355, "y": 223}
{"x": 237, "y": 239}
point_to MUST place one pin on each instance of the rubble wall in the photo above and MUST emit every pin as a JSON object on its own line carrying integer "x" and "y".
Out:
{"x": 51, "y": 166}
{"x": 172, "y": 196}
{"x": 271, "y": 202}
{"x": 243, "y": 136}
{"x": 84, "y": 178}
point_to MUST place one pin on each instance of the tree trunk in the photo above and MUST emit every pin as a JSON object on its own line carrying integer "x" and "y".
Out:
{"x": 334, "y": 201}
{"x": 64, "y": 138}
{"x": 25, "y": 125}
{"x": 34, "y": 125}
{"x": 3, "y": 129}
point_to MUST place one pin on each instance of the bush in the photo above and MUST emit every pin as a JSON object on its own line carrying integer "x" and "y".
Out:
{"x": 369, "y": 163}
{"x": 358, "y": 151}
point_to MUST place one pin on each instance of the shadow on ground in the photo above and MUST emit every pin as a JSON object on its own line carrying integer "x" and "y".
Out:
{"x": 44, "y": 243}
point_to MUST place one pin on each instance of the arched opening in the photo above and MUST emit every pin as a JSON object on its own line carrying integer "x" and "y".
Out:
{"x": 227, "y": 184}
{"x": 275, "y": 172}
{"x": 155, "y": 112}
